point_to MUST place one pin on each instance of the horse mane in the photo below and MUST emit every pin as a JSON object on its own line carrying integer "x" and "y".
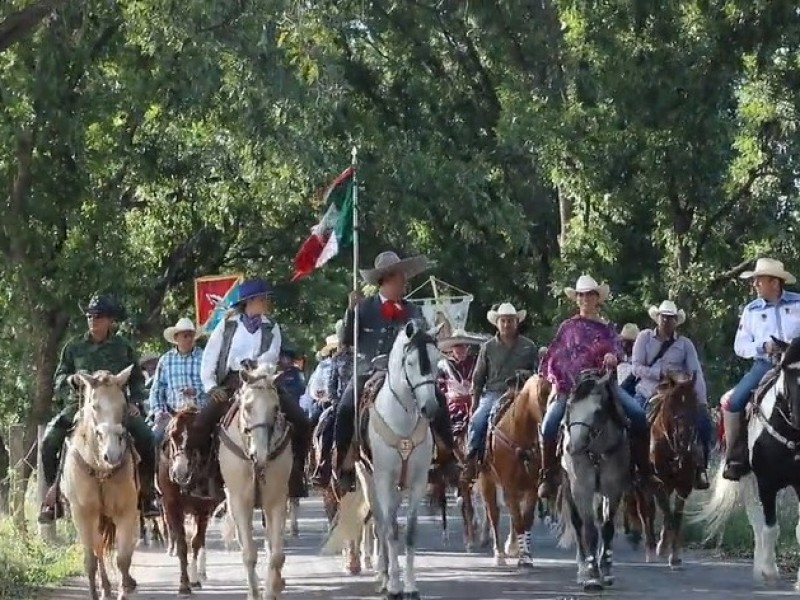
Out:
{"x": 530, "y": 393}
{"x": 585, "y": 385}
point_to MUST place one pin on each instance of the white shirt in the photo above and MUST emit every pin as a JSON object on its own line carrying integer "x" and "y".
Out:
{"x": 244, "y": 345}
{"x": 624, "y": 369}
{"x": 760, "y": 321}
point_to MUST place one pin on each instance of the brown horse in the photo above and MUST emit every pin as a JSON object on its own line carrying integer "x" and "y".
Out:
{"x": 177, "y": 473}
{"x": 512, "y": 463}
{"x": 674, "y": 454}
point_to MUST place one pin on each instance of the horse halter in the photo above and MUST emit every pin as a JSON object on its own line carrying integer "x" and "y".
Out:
{"x": 595, "y": 430}
{"x": 419, "y": 341}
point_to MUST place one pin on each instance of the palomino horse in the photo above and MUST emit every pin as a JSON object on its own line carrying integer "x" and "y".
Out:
{"x": 255, "y": 457}
{"x": 773, "y": 436}
{"x": 674, "y": 454}
{"x": 401, "y": 444}
{"x": 176, "y": 477}
{"x": 597, "y": 462}
{"x": 99, "y": 480}
{"x": 512, "y": 463}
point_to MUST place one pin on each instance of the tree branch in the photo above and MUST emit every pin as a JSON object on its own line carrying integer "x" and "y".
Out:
{"x": 19, "y": 24}
{"x": 725, "y": 276}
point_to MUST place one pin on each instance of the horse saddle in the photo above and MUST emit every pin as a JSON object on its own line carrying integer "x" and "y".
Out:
{"x": 766, "y": 383}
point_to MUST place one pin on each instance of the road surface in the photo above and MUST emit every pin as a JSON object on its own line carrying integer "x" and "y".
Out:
{"x": 445, "y": 572}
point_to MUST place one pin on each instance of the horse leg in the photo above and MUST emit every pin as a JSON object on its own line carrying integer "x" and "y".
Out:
{"x": 587, "y": 533}
{"x": 294, "y": 507}
{"x": 443, "y": 512}
{"x": 415, "y": 498}
{"x": 386, "y": 490}
{"x": 489, "y": 494}
{"x": 675, "y": 560}
{"x": 89, "y": 536}
{"x": 797, "y": 537}
{"x": 177, "y": 535}
{"x": 241, "y": 507}
{"x": 610, "y": 506}
{"x": 126, "y": 539}
{"x": 770, "y": 530}
{"x": 367, "y": 543}
{"x": 467, "y": 515}
{"x": 197, "y": 571}
{"x": 662, "y": 498}
{"x": 276, "y": 523}
{"x": 517, "y": 529}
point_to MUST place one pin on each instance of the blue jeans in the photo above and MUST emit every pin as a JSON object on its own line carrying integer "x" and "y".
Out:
{"x": 748, "y": 383}
{"x": 158, "y": 432}
{"x": 558, "y": 407}
{"x": 705, "y": 428}
{"x": 479, "y": 423}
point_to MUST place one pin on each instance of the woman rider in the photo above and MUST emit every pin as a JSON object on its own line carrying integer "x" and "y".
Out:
{"x": 585, "y": 341}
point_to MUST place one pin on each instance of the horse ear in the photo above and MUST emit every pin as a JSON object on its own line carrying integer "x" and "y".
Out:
{"x": 121, "y": 378}
{"x": 86, "y": 379}
{"x": 249, "y": 365}
{"x": 245, "y": 376}
{"x": 411, "y": 329}
{"x": 434, "y": 331}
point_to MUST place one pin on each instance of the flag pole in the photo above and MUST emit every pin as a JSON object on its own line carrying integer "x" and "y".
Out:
{"x": 353, "y": 162}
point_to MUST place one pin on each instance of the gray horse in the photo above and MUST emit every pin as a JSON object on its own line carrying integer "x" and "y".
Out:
{"x": 596, "y": 458}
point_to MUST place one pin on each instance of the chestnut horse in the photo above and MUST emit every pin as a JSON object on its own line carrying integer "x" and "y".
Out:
{"x": 177, "y": 474}
{"x": 512, "y": 463}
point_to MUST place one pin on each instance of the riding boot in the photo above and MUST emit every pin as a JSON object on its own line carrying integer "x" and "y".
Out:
{"x": 737, "y": 463}
{"x": 147, "y": 493}
{"x": 443, "y": 428}
{"x": 701, "y": 476}
{"x": 52, "y": 508}
{"x": 301, "y": 435}
{"x": 548, "y": 484}
{"x": 470, "y": 472}
{"x": 344, "y": 433}
{"x": 640, "y": 455}
{"x": 322, "y": 473}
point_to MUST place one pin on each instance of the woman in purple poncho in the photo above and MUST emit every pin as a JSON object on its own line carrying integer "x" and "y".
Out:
{"x": 585, "y": 341}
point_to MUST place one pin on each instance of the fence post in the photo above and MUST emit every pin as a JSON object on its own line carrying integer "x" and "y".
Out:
{"x": 16, "y": 455}
{"x": 47, "y": 531}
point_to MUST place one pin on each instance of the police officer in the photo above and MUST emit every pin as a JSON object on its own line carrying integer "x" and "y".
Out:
{"x": 100, "y": 348}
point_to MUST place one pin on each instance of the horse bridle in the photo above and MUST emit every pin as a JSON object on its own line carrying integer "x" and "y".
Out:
{"x": 420, "y": 341}
{"x": 595, "y": 431}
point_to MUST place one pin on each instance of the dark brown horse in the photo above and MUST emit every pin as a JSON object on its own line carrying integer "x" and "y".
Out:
{"x": 675, "y": 455}
{"x": 177, "y": 474}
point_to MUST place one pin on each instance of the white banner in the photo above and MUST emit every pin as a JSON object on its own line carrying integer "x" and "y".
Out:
{"x": 453, "y": 312}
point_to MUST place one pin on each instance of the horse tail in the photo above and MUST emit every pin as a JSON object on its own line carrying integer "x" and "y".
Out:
{"x": 564, "y": 529}
{"x": 108, "y": 531}
{"x": 350, "y": 518}
{"x": 726, "y": 497}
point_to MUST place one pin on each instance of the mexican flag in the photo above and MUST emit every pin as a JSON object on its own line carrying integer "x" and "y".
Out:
{"x": 335, "y": 228}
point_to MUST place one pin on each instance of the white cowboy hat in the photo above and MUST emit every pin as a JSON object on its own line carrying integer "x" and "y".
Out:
{"x": 629, "y": 332}
{"x": 184, "y": 324}
{"x": 770, "y": 268}
{"x": 669, "y": 308}
{"x": 587, "y": 283}
{"x": 389, "y": 262}
{"x": 459, "y": 338}
{"x": 332, "y": 341}
{"x": 506, "y": 309}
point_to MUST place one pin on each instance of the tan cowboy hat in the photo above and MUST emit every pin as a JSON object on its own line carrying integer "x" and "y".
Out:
{"x": 629, "y": 332}
{"x": 667, "y": 307}
{"x": 506, "y": 309}
{"x": 587, "y": 283}
{"x": 389, "y": 262}
{"x": 459, "y": 338}
{"x": 184, "y": 324}
{"x": 771, "y": 268}
{"x": 332, "y": 341}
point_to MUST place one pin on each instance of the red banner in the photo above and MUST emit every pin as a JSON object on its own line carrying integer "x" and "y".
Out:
{"x": 213, "y": 295}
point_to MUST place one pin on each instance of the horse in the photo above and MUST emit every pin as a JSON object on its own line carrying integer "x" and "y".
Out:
{"x": 176, "y": 477}
{"x": 773, "y": 437}
{"x": 675, "y": 455}
{"x": 512, "y": 463}
{"x": 255, "y": 457}
{"x": 100, "y": 480}
{"x": 401, "y": 444}
{"x": 596, "y": 457}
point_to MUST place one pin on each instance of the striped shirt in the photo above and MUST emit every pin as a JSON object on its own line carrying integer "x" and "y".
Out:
{"x": 176, "y": 373}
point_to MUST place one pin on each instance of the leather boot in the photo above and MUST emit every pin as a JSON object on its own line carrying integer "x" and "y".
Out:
{"x": 345, "y": 478}
{"x": 548, "y": 483}
{"x": 737, "y": 461}
{"x": 701, "y": 476}
{"x": 640, "y": 456}
{"x": 322, "y": 474}
{"x": 147, "y": 494}
{"x": 52, "y": 508}
{"x": 297, "y": 479}
{"x": 470, "y": 471}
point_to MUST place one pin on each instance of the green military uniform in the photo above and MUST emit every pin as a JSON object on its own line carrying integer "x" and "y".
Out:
{"x": 113, "y": 354}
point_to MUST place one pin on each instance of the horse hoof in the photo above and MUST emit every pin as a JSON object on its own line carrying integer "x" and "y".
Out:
{"x": 499, "y": 560}
{"x": 608, "y": 580}
{"x": 661, "y": 549}
{"x": 185, "y": 590}
{"x": 592, "y": 585}
{"x": 129, "y": 584}
{"x": 394, "y": 596}
{"x": 196, "y": 585}
{"x": 412, "y": 596}
{"x": 676, "y": 564}
{"x": 468, "y": 548}
{"x": 368, "y": 563}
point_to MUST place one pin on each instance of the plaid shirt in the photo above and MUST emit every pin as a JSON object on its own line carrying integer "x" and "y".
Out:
{"x": 175, "y": 373}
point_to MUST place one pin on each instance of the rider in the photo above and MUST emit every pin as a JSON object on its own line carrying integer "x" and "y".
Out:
{"x": 246, "y": 333}
{"x": 660, "y": 350}
{"x": 775, "y": 313}
{"x": 177, "y": 382}
{"x": 316, "y": 394}
{"x": 585, "y": 341}
{"x": 498, "y": 360}
{"x": 456, "y": 371}
{"x": 100, "y": 348}
{"x": 380, "y": 319}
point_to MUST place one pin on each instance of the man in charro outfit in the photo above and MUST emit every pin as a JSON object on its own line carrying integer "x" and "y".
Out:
{"x": 247, "y": 333}
{"x": 380, "y": 318}
{"x": 100, "y": 348}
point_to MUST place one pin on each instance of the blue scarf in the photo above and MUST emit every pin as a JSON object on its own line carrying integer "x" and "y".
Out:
{"x": 251, "y": 323}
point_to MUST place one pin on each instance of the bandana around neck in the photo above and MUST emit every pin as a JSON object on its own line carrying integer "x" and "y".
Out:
{"x": 251, "y": 322}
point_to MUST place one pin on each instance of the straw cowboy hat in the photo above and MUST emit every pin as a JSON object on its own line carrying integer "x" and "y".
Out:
{"x": 587, "y": 283}
{"x": 332, "y": 341}
{"x": 770, "y": 267}
{"x": 629, "y": 332}
{"x": 182, "y": 325}
{"x": 389, "y": 262}
{"x": 668, "y": 308}
{"x": 459, "y": 338}
{"x": 506, "y": 309}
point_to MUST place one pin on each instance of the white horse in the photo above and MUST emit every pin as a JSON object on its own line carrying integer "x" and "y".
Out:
{"x": 255, "y": 458}
{"x": 402, "y": 448}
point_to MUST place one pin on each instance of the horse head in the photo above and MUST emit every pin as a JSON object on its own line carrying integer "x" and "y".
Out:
{"x": 790, "y": 369}
{"x": 176, "y": 444}
{"x": 258, "y": 411}
{"x": 590, "y": 410}
{"x": 412, "y": 359}
{"x": 104, "y": 411}
{"x": 677, "y": 415}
